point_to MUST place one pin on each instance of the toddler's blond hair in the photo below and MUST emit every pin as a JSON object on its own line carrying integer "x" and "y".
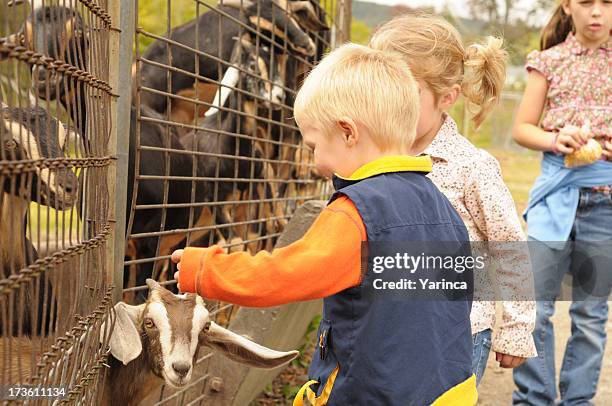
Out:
{"x": 372, "y": 87}
{"x": 433, "y": 49}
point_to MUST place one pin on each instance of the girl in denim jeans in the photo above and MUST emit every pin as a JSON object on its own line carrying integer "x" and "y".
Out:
{"x": 565, "y": 110}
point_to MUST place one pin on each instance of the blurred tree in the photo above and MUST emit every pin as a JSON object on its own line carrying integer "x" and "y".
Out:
{"x": 488, "y": 8}
{"x": 507, "y": 9}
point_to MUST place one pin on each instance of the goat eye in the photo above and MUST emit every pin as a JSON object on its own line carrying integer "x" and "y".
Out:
{"x": 149, "y": 323}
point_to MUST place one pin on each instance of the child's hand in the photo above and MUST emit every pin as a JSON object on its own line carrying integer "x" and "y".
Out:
{"x": 508, "y": 361}
{"x": 570, "y": 139}
{"x": 176, "y": 258}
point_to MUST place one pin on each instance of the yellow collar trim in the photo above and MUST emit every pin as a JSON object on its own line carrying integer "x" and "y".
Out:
{"x": 392, "y": 163}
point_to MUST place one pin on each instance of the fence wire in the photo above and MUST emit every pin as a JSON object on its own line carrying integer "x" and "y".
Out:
{"x": 218, "y": 157}
{"x": 214, "y": 158}
{"x": 54, "y": 131}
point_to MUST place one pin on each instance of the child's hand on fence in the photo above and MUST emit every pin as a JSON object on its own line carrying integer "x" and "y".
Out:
{"x": 569, "y": 139}
{"x": 176, "y": 258}
{"x": 508, "y": 361}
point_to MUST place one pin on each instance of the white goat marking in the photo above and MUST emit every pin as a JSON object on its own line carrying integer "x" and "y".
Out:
{"x": 19, "y": 132}
{"x": 200, "y": 317}
{"x": 229, "y": 81}
{"x": 62, "y": 135}
{"x": 157, "y": 312}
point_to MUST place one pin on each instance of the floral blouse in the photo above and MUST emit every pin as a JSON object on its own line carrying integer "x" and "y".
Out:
{"x": 471, "y": 180}
{"x": 579, "y": 85}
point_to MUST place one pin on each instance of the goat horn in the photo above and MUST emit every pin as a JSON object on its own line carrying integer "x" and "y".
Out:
{"x": 153, "y": 284}
{"x": 229, "y": 81}
{"x": 239, "y": 4}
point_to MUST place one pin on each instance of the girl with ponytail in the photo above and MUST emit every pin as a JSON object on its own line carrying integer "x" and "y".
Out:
{"x": 469, "y": 177}
{"x": 566, "y": 113}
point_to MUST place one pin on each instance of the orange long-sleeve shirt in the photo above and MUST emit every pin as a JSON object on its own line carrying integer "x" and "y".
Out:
{"x": 325, "y": 261}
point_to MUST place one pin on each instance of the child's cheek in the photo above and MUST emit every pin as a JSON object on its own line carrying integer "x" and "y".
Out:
{"x": 324, "y": 167}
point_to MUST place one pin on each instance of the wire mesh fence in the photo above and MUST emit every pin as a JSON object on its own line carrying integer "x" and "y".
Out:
{"x": 214, "y": 157}
{"x": 54, "y": 132}
{"x": 218, "y": 157}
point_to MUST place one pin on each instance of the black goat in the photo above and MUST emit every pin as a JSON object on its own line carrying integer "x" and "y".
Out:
{"x": 229, "y": 150}
{"x": 280, "y": 21}
{"x": 60, "y": 33}
{"x": 29, "y": 134}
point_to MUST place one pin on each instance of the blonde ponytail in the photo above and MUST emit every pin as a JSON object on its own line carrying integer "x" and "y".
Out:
{"x": 484, "y": 76}
{"x": 433, "y": 49}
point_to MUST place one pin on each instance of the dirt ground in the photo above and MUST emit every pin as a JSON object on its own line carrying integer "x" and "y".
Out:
{"x": 497, "y": 385}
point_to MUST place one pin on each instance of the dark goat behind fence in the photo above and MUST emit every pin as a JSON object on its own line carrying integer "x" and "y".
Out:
{"x": 58, "y": 33}
{"x": 29, "y": 134}
{"x": 54, "y": 167}
{"x": 213, "y": 35}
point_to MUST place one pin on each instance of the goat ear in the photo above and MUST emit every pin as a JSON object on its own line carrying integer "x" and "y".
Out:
{"x": 247, "y": 45}
{"x": 124, "y": 342}
{"x": 242, "y": 350}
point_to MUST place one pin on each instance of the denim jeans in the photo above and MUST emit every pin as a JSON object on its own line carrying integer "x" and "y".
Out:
{"x": 536, "y": 379}
{"x": 482, "y": 348}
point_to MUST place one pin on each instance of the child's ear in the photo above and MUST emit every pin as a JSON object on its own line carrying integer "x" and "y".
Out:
{"x": 566, "y": 8}
{"x": 350, "y": 134}
{"x": 449, "y": 98}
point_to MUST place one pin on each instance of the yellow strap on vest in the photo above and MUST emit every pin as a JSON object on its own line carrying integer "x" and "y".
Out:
{"x": 299, "y": 398}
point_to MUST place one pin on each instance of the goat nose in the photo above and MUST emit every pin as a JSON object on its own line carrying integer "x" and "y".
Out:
{"x": 181, "y": 368}
{"x": 69, "y": 182}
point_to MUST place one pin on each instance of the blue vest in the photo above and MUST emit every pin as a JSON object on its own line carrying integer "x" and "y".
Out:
{"x": 407, "y": 352}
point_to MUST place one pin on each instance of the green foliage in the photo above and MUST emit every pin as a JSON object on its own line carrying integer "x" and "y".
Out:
{"x": 313, "y": 326}
{"x": 360, "y": 32}
{"x": 290, "y": 391}
{"x": 153, "y": 16}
